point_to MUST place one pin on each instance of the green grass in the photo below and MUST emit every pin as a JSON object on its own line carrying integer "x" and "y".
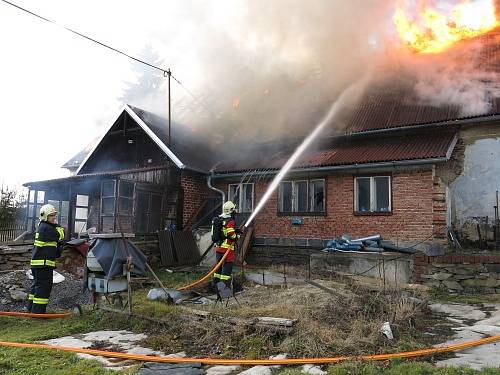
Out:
{"x": 440, "y": 295}
{"x": 39, "y": 361}
{"x": 394, "y": 368}
{"x": 176, "y": 279}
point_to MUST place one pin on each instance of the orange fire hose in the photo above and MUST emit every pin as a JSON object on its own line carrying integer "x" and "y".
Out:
{"x": 31, "y": 315}
{"x": 204, "y": 278}
{"x": 253, "y": 362}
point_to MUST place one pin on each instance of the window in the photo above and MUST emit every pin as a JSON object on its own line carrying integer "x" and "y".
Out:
{"x": 372, "y": 194}
{"x": 108, "y": 205}
{"x": 242, "y": 196}
{"x": 148, "y": 212}
{"x": 81, "y": 213}
{"x": 302, "y": 196}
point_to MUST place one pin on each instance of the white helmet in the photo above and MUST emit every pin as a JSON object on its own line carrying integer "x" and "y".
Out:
{"x": 47, "y": 210}
{"x": 228, "y": 208}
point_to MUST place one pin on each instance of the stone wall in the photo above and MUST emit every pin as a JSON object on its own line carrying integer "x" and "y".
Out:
{"x": 15, "y": 257}
{"x": 467, "y": 273}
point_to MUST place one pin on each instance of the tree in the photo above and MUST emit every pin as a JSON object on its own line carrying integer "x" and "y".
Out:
{"x": 11, "y": 204}
{"x": 148, "y": 80}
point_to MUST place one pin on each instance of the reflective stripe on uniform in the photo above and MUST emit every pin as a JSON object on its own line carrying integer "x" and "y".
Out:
{"x": 60, "y": 230}
{"x": 225, "y": 277}
{"x": 227, "y": 246}
{"x": 218, "y": 275}
{"x": 40, "y": 301}
{"x": 45, "y": 244}
{"x": 31, "y": 297}
{"x": 43, "y": 262}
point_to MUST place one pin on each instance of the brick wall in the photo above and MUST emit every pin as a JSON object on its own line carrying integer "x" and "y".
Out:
{"x": 414, "y": 216}
{"x": 195, "y": 191}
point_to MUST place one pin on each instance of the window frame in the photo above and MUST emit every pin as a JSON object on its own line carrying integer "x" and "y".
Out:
{"x": 294, "y": 202}
{"x": 373, "y": 199}
{"x": 239, "y": 204}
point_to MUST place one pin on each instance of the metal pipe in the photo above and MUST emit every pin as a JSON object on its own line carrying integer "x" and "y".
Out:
{"x": 211, "y": 187}
{"x": 344, "y": 167}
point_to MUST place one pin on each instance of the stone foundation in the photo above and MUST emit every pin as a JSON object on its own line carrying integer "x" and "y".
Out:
{"x": 15, "y": 257}
{"x": 459, "y": 273}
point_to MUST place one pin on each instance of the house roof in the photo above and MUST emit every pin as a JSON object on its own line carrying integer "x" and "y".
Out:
{"x": 359, "y": 151}
{"x": 393, "y": 103}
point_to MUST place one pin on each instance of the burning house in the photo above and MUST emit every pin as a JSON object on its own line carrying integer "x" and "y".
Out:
{"x": 413, "y": 160}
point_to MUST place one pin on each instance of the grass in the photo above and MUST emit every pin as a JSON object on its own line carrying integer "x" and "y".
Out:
{"x": 440, "y": 295}
{"x": 38, "y": 361}
{"x": 346, "y": 323}
{"x": 394, "y": 368}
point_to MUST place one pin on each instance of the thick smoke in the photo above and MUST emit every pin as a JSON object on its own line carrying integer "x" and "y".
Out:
{"x": 261, "y": 71}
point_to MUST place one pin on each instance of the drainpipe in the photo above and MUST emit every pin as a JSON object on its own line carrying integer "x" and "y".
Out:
{"x": 211, "y": 187}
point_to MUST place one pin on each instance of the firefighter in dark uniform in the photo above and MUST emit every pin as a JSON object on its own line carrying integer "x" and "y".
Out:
{"x": 230, "y": 236}
{"x": 46, "y": 249}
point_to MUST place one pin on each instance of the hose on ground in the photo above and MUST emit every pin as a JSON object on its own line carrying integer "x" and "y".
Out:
{"x": 254, "y": 362}
{"x": 32, "y": 315}
{"x": 204, "y": 278}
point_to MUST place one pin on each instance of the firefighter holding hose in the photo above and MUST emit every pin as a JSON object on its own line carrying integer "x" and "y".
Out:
{"x": 47, "y": 247}
{"x": 224, "y": 235}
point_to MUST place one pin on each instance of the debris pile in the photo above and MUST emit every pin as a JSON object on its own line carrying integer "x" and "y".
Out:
{"x": 15, "y": 286}
{"x": 373, "y": 244}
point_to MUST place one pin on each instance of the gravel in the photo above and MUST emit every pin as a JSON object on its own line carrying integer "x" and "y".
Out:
{"x": 64, "y": 295}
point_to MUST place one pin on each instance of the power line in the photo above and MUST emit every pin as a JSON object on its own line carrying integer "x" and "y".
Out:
{"x": 166, "y": 72}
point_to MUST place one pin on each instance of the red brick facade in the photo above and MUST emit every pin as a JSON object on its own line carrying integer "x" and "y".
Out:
{"x": 195, "y": 191}
{"x": 418, "y": 211}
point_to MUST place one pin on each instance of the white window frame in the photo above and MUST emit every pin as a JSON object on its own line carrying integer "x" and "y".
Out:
{"x": 310, "y": 199}
{"x": 373, "y": 198}
{"x": 295, "y": 201}
{"x": 239, "y": 204}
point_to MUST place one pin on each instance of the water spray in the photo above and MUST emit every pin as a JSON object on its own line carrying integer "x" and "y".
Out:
{"x": 336, "y": 106}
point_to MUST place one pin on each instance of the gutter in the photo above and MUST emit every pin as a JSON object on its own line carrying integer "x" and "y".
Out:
{"x": 211, "y": 187}
{"x": 467, "y": 120}
{"x": 341, "y": 167}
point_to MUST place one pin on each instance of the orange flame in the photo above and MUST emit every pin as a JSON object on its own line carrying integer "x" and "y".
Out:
{"x": 435, "y": 32}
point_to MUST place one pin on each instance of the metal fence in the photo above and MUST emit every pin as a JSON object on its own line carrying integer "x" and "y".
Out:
{"x": 10, "y": 231}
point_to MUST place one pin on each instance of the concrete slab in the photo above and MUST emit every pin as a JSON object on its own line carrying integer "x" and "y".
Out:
{"x": 313, "y": 370}
{"x": 222, "y": 370}
{"x": 257, "y": 370}
{"x": 458, "y": 310}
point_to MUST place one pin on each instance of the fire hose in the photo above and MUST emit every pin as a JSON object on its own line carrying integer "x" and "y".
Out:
{"x": 204, "y": 278}
{"x": 32, "y": 315}
{"x": 266, "y": 362}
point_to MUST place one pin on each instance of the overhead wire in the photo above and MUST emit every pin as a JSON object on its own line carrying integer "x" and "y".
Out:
{"x": 166, "y": 71}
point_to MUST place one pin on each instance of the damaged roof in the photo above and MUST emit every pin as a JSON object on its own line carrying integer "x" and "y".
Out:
{"x": 360, "y": 151}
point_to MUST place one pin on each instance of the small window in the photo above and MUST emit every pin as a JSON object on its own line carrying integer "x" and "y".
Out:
{"x": 108, "y": 188}
{"x": 108, "y": 206}
{"x": 32, "y": 196}
{"x": 126, "y": 189}
{"x": 372, "y": 194}
{"x": 303, "y": 196}
{"x": 82, "y": 200}
{"x": 81, "y": 213}
{"x": 40, "y": 198}
{"x": 242, "y": 196}
{"x": 30, "y": 210}
{"x": 317, "y": 195}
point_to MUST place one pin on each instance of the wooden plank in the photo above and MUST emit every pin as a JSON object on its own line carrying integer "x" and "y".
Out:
{"x": 166, "y": 249}
{"x": 246, "y": 244}
{"x": 185, "y": 247}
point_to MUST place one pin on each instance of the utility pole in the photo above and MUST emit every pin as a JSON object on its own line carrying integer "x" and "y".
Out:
{"x": 169, "y": 74}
